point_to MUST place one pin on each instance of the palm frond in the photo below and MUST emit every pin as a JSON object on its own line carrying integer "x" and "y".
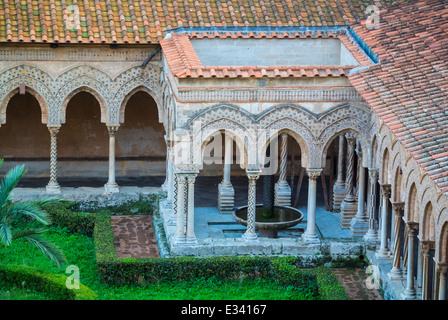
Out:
{"x": 6, "y": 235}
{"x": 22, "y": 233}
{"x": 50, "y": 250}
{"x": 9, "y": 182}
{"x": 31, "y": 209}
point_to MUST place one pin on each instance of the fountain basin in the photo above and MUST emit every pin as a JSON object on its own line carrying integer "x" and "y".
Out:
{"x": 284, "y": 217}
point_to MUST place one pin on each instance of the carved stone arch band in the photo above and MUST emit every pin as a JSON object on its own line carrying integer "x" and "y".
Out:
{"x": 41, "y": 101}
{"x": 94, "y": 93}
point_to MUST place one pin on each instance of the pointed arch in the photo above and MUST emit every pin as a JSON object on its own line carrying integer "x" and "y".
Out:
{"x": 412, "y": 205}
{"x": 94, "y": 93}
{"x": 42, "y": 103}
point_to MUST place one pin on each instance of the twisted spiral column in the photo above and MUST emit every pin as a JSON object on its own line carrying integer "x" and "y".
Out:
{"x": 339, "y": 190}
{"x": 282, "y": 189}
{"x": 349, "y": 206}
{"x": 180, "y": 208}
{"x": 250, "y": 234}
{"x": 53, "y": 185}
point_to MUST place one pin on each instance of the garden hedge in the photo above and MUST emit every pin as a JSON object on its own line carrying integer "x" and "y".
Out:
{"x": 114, "y": 271}
{"x": 49, "y": 283}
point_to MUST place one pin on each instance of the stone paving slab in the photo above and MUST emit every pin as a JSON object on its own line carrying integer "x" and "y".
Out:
{"x": 354, "y": 281}
{"x": 134, "y": 236}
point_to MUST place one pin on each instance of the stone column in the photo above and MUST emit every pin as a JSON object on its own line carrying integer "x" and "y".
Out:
{"x": 360, "y": 224}
{"x": 310, "y": 234}
{"x": 442, "y": 281}
{"x": 190, "y": 238}
{"x": 425, "y": 247}
{"x": 349, "y": 206}
{"x": 396, "y": 272}
{"x": 384, "y": 251}
{"x": 339, "y": 191}
{"x": 53, "y": 185}
{"x": 180, "y": 208}
{"x": 282, "y": 188}
{"x": 253, "y": 175}
{"x": 372, "y": 234}
{"x": 226, "y": 193}
{"x": 111, "y": 186}
{"x": 410, "y": 292}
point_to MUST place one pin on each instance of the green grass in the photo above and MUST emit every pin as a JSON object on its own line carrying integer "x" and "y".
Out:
{"x": 73, "y": 234}
{"x": 79, "y": 251}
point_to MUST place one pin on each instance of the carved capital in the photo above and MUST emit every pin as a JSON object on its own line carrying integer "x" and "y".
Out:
{"x": 373, "y": 175}
{"x": 112, "y": 130}
{"x": 313, "y": 174}
{"x": 253, "y": 174}
{"x": 191, "y": 178}
{"x": 398, "y": 207}
{"x": 54, "y": 130}
{"x": 385, "y": 190}
{"x": 412, "y": 227}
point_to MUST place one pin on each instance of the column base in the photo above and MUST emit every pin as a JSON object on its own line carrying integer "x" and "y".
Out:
{"x": 226, "y": 196}
{"x": 371, "y": 236}
{"x": 339, "y": 194}
{"x": 190, "y": 241}
{"x": 249, "y": 237}
{"x": 310, "y": 238}
{"x": 282, "y": 194}
{"x": 53, "y": 188}
{"x": 111, "y": 187}
{"x": 348, "y": 212}
{"x": 396, "y": 274}
{"x": 384, "y": 254}
{"x": 358, "y": 227}
{"x": 409, "y": 294}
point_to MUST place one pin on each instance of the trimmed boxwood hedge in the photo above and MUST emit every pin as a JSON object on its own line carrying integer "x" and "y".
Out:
{"x": 114, "y": 271}
{"x": 49, "y": 283}
{"x": 63, "y": 216}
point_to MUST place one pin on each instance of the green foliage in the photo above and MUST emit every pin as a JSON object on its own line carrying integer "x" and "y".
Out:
{"x": 76, "y": 222}
{"x": 54, "y": 285}
{"x": 329, "y": 286}
{"x": 14, "y": 215}
{"x": 130, "y": 271}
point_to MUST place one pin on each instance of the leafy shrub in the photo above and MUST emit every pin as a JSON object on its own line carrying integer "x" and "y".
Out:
{"x": 50, "y": 283}
{"x": 63, "y": 216}
{"x": 329, "y": 286}
{"x": 130, "y": 271}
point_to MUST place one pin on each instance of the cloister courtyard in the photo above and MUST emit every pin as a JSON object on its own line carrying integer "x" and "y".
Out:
{"x": 267, "y": 139}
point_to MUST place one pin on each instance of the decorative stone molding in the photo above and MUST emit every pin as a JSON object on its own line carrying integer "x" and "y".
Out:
{"x": 55, "y": 91}
{"x": 256, "y": 95}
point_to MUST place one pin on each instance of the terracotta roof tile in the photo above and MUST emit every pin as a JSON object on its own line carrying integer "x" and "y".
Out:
{"x": 184, "y": 62}
{"x": 407, "y": 89}
{"x": 147, "y": 21}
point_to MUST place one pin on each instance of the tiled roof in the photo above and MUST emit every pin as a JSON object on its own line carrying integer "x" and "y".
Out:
{"x": 146, "y": 21}
{"x": 408, "y": 89}
{"x": 184, "y": 62}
